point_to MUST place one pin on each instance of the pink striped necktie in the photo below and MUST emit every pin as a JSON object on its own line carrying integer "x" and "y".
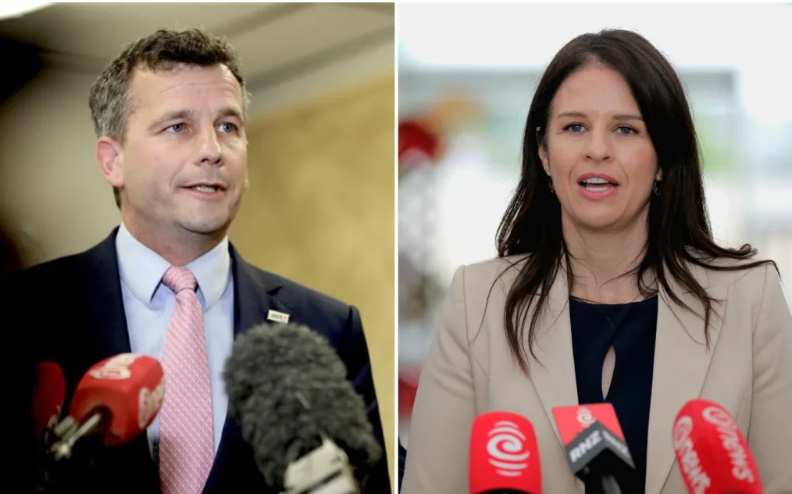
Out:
{"x": 186, "y": 445}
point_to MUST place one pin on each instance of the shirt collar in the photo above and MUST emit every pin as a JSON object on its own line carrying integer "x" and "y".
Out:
{"x": 141, "y": 269}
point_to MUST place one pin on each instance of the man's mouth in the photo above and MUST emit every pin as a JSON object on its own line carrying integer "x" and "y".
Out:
{"x": 206, "y": 188}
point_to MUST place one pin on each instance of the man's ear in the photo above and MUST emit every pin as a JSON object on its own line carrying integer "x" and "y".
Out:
{"x": 110, "y": 161}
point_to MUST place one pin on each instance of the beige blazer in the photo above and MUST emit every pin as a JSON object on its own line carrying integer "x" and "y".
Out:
{"x": 470, "y": 370}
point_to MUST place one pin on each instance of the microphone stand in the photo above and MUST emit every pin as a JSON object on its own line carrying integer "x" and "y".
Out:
{"x": 609, "y": 484}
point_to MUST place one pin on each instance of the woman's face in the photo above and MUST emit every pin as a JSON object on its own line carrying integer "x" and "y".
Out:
{"x": 598, "y": 152}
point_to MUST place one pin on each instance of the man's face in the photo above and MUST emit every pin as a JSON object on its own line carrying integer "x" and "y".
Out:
{"x": 182, "y": 165}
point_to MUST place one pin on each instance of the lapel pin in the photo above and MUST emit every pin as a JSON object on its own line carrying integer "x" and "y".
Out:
{"x": 276, "y": 316}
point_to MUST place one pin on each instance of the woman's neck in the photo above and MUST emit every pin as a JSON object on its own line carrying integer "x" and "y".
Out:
{"x": 599, "y": 261}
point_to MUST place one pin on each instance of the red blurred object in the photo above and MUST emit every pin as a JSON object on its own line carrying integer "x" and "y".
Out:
{"x": 408, "y": 387}
{"x": 48, "y": 397}
{"x": 417, "y": 143}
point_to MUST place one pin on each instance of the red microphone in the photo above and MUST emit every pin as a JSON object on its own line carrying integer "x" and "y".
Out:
{"x": 48, "y": 398}
{"x": 712, "y": 453}
{"x": 116, "y": 399}
{"x": 595, "y": 445}
{"x": 504, "y": 456}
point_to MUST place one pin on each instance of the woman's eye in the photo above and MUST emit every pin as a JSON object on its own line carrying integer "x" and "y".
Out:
{"x": 574, "y": 127}
{"x": 624, "y": 130}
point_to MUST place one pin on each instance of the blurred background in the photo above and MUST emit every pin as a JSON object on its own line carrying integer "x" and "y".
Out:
{"x": 320, "y": 207}
{"x": 467, "y": 74}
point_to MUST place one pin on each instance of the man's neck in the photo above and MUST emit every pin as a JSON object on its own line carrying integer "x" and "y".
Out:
{"x": 178, "y": 248}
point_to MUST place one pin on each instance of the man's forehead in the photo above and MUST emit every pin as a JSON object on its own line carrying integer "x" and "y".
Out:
{"x": 147, "y": 85}
{"x": 171, "y": 73}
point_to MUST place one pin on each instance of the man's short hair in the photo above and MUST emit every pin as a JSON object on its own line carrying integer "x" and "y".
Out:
{"x": 162, "y": 50}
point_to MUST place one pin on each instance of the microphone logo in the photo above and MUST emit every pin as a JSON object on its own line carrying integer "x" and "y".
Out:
{"x": 731, "y": 442}
{"x": 115, "y": 368}
{"x": 688, "y": 458}
{"x": 149, "y": 403}
{"x": 585, "y": 417}
{"x": 718, "y": 417}
{"x": 507, "y": 449}
{"x": 682, "y": 431}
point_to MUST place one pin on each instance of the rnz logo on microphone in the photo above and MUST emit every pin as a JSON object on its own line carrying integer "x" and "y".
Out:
{"x": 730, "y": 439}
{"x": 507, "y": 449}
{"x": 594, "y": 438}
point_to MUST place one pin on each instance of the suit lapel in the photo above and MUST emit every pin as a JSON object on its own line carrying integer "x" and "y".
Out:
{"x": 681, "y": 363}
{"x": 553, "y": 376}
{"x": 254, "y": 295}
{"x": 108, "y": 323}
{"x": 108, "y": 336}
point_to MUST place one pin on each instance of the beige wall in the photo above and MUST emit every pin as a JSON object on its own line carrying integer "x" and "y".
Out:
{"x": 320, "y": 209}
{"x": 50, "y": 186}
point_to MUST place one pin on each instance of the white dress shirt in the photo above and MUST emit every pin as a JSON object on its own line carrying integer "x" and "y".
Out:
{"x": 149, "y": 306}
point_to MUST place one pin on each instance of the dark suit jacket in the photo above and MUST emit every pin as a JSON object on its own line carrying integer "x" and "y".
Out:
{"x": 86, "y": 323}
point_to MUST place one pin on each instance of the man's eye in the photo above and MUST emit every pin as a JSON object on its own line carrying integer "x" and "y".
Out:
{"x": 178, "y": 128}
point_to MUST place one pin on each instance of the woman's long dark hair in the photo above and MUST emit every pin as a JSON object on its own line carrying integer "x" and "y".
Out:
{"x": 678, "y": 226}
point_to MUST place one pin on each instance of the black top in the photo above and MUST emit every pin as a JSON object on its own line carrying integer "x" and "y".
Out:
{"x": 630, "y": 329}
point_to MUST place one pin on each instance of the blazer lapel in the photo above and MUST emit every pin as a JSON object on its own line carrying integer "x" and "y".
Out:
{"x": 108, "y": 336}
{"x": 108, "y": 324}
{"x": 681, "y": 362}
{"x": 553, "y": 376}
{"x": 254, "y": 296}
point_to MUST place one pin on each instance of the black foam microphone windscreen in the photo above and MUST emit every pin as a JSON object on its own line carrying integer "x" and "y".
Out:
{"x": 288, "y": 389}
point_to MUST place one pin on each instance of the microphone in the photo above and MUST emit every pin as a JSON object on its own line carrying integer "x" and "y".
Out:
{"x": 287, "y": 388}
{"x": 49, "y": 394}
{"x": 115, "y": 401}
{"x": 595, "y": 445}
{"x": 48, "y": 397}
{"x": 712, "y": 453}
{"x": 504, "y": 455}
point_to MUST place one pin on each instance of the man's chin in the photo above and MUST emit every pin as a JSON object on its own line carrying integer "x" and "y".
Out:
{"x": 209, "y": 227}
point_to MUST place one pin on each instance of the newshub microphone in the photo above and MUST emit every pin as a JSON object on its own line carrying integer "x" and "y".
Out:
{"x": 504, "y": 455}
{"x": 712, "y": 453}
{"x": 308, "y": 428}
{"x": 595, "y": 445}
{"x": 113, "y": 403}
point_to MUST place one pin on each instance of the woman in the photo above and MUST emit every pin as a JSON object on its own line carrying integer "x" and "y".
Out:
{"x": 608, "y": 287}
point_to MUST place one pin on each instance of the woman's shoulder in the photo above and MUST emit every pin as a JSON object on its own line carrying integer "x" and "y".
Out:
{"x": 720, "y": 271}
{"x": 487, "y": 272}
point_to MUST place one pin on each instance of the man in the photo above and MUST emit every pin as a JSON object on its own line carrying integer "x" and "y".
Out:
{"x": 169, "y": 114}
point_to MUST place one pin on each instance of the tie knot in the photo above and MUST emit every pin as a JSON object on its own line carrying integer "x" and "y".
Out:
{"x": 178, "y": 278}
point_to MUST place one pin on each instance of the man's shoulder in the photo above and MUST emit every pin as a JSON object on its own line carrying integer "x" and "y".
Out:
{"x": 295, "y": 294}
{"x": 68, "y": 265}
{"x": 61, "y": 267}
